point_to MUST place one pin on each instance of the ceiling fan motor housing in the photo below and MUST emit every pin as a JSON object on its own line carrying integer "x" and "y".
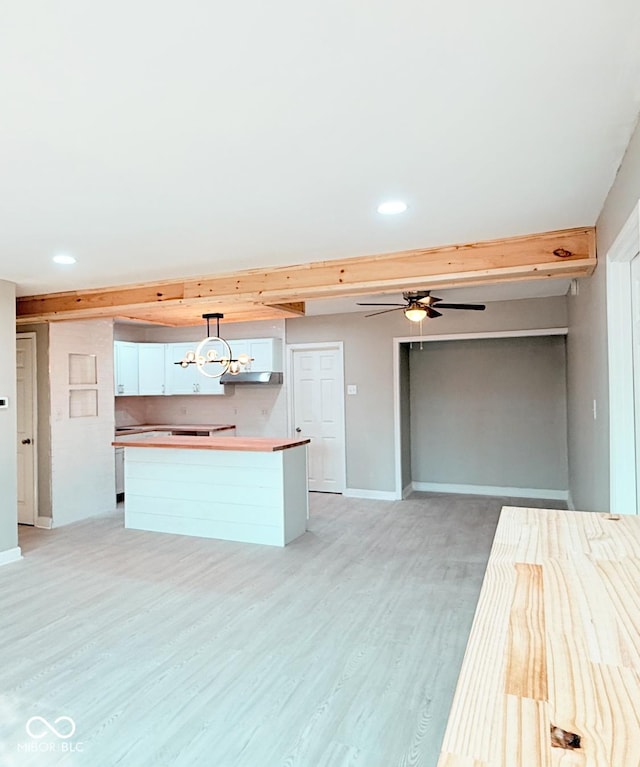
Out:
{"x": 421, "y": 297}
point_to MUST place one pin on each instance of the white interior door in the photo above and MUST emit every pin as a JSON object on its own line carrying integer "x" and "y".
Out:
{"x": 26, "y": 417}
{"x": 318, "y": 412}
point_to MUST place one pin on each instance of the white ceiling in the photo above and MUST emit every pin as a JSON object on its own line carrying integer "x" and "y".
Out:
{"x": 156, "y": 139}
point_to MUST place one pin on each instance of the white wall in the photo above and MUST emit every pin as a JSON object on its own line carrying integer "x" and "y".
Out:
{"x": 587, "y": 372}
{"x": 8, "y": 427}
{"x": 82, "y": 466}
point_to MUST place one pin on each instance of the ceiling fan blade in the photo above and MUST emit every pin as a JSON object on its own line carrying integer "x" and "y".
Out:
{"x": 359, "y": 304}
{"x": 384, "y": 311}
{"x": 432, "y": 313}
{"x": 476, "y": 307}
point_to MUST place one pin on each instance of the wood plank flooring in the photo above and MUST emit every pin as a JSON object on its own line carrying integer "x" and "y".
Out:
{"x": 341, "y": 650}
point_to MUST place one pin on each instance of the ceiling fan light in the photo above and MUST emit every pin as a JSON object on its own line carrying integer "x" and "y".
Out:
{"x": 415, "y": 313}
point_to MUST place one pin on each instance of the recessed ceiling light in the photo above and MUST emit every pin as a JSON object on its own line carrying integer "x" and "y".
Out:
{"x": 63, "y": 258}
{"x": 392, "y": 207}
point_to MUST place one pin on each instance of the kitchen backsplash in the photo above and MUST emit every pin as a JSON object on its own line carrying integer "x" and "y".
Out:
{"x": 257, "y": 411}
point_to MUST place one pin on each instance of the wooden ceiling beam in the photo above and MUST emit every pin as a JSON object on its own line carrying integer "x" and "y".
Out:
{"x": 566, "y": 253}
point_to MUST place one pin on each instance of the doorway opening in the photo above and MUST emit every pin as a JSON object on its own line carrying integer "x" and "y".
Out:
{"x": 623, "y": 328}
{"x": 482, "y": 414}
{"x": 27, "y": 420}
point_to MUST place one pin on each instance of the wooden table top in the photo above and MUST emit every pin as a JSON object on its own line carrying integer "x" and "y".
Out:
{"x": 243, "y": 444}
{"x": 555, "y": 642}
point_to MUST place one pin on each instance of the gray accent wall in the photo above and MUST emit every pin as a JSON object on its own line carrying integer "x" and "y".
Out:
{"x": 587, "y": 349}
{"x": 368, "y": 359}
{"x": 8, "y": 420}
{"x": 490, "y": 412}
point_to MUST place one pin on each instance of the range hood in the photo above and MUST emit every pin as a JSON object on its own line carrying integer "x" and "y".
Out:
{"x": 252, "y": 378}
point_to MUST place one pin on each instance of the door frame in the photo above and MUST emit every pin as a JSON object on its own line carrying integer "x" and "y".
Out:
{"x": 317, "y": 346}
{"x": 623, "y": 467}
{"x": 401, "y": 492}
{"x": 31, "y": 336}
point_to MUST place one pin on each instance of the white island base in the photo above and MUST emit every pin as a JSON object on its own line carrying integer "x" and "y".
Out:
{"x": 187, "y": 486}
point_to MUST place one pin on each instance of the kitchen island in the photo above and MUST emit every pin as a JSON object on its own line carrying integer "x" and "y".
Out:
{"x": 234, "y": 488}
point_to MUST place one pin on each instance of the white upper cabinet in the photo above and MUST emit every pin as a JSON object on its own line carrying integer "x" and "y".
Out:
{"x": 179, "y": 380}
{"x": 265, "y": 353}
{"x": 187, "y": 380}
{"x": 238, "y": 346}
{"x": 261, "y": 352}
{"x": 125, "y": 364}
{"x": 151, "y": 368}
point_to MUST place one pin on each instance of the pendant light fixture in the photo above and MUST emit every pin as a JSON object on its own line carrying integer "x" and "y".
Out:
{"x": 214, "y": 351}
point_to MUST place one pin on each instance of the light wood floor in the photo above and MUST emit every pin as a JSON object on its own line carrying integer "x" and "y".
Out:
{"x": 341, "y": 650}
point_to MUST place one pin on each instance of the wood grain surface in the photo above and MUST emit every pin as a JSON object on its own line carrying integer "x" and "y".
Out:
{"x": 268, "y": 293}
{"x": 555, "y": 641}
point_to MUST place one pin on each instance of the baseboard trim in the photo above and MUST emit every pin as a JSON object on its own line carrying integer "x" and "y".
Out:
{"x": 570, "y": 504}
{"x": 407, "y": 490}
{"x": 515, "y": 492}
{"x": 46, "y": 523}
{"x": 10, "y": 555}
{"x": 370, "y": 495}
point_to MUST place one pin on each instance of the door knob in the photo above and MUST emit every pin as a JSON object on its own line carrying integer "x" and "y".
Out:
{"x": 26, "y": 441}
{"x": 298, "y": 429}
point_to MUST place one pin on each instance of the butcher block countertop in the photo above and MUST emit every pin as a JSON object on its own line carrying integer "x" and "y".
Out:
{"x": 244, "y": 444}
{"x": 551, "y": 674}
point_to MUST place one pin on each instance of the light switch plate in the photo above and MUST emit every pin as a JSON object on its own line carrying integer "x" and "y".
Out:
{"x": 352, "y": 389}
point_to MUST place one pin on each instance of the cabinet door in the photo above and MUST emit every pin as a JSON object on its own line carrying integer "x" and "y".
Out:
{"x": 188, "y": 380}
{"x": 265, "y": 353}
{"x": 238, "y": 347}
{"x": 209, "y": 385}
{"x": 261, "y": 351}
{"x": 125, "y": 367}
{"x": 151, "y": 368}
{"x": 180, "y": 380}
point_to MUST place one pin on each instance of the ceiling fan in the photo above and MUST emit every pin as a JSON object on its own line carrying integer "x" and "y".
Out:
{"x": 420, "y": 304}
